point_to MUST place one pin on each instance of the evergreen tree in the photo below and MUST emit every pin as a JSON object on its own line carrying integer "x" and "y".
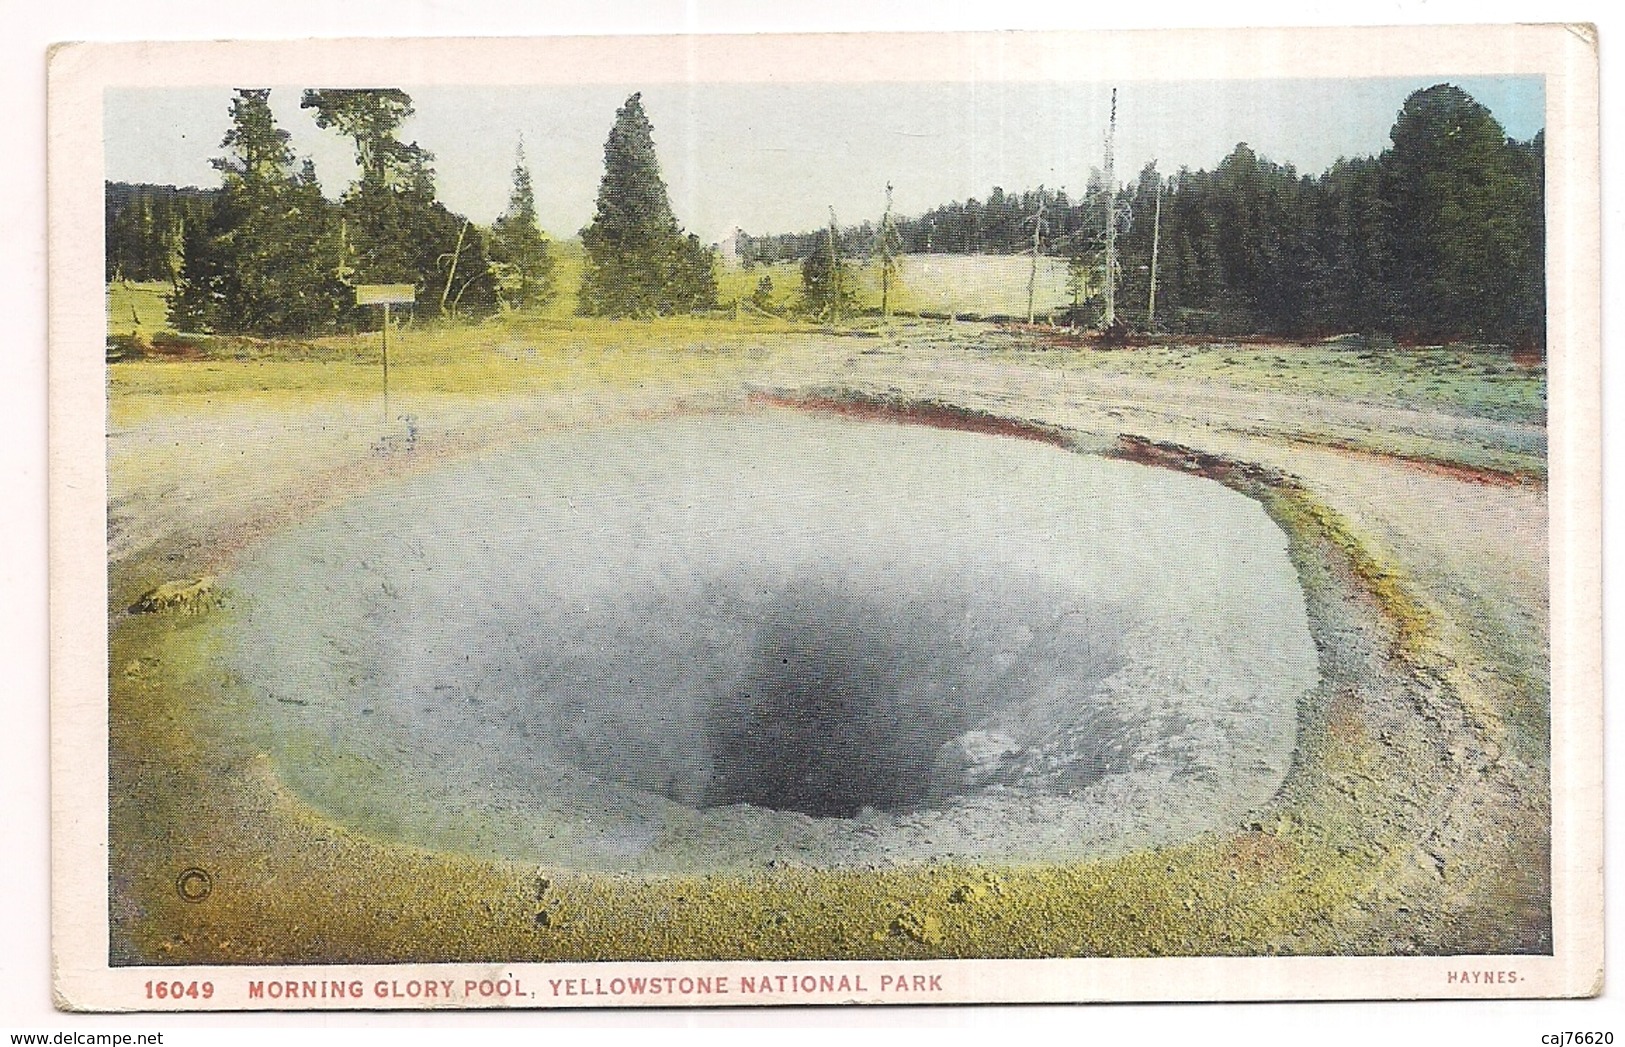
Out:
{"x": 826, "y": 279}
{"x": 1464, "y": 221}
{"x": 371, "y": 117}
{"x": 1139, "y": 201}
{"x": 265, "y": 260}
{"x": 519, "y": 250}
{"x": 1085, "y": 276}
{"x": 145, "y": 225}
{"x": 762, "y": 297}
{"x": 1350, "y": 289}
{"x": 691, "y": 282}
{"x": 397, "y": 231}
{"x": 129, "y": 235}
{"x": 639, "y": 263}
{"x": 1524, "y": 313}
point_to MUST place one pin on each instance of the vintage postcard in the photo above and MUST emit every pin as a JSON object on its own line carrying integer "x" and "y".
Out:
{"x": 650, "y": 521}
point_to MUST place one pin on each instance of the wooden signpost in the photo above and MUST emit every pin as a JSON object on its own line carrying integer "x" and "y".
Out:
{"x": 385, "y": 295}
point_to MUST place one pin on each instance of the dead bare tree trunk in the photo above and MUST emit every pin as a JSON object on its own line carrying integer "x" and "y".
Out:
{"x": 1156, "y": 235}
{"x": 1110, "y": 317}
{"x": 457, "y": 252}
{"x": 1032, "y": 274}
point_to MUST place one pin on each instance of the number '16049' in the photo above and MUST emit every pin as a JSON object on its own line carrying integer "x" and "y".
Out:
{"x": 180, "y": 990}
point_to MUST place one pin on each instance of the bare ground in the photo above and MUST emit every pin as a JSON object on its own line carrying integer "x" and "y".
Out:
{"x": 1416, "y": 819}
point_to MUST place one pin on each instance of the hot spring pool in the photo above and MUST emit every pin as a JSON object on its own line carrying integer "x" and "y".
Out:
{"x": 719, "y": 642}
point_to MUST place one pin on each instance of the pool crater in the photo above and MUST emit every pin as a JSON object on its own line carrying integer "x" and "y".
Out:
{"x": 716, "y": 642}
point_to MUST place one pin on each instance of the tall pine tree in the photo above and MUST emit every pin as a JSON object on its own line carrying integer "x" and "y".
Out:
{"x": 371, "y": 117}
{"x": 826, "y": 279}
{"x": 266, "y": 260}
{"x": 397, "y": 231}
{"x": 639, "y": 262}
{"x": 1466, "y": 221}
{"x": 519, "y": 250}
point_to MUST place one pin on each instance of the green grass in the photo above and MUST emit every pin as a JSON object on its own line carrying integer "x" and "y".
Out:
{"x": 504, "y": 355}
{"x": 1463, "y": 380}
{"x": 133, "y": 307}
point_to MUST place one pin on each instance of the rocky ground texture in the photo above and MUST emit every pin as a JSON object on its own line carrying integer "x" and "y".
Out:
{"x": 1416, "y": 818}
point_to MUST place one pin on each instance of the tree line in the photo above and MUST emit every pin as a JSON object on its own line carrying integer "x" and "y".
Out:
{"x": 1440, "y": 236}
{"x": 267, "y": 253}
{"x": 145, "y": 228}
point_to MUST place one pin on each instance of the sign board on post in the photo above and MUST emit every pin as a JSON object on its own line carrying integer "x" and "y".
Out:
{"x": 385, "y": 295}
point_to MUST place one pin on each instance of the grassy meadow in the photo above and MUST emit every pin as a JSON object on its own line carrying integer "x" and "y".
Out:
{"x": 133, "y": 307}
{"x": 517, "y": 351}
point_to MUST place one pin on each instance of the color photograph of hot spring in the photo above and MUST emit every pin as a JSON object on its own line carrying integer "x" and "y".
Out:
{"x": 827, "y": 521}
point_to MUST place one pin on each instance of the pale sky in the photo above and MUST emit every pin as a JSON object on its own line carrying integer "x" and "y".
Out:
{"x": 775, "y": 157}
